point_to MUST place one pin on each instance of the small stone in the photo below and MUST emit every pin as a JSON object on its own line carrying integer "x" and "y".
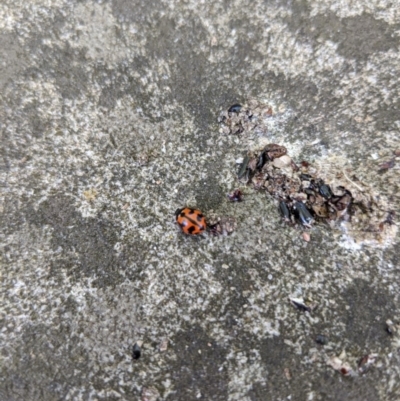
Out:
{"x": 150, "y": 394}
{"x": 235, "y": 196}
{"x": 90, "y": 195}
{"x": 252, "y": 164}
{"x": 268, "y": 111}
{"x": 365, "y": 362}
{"x": 136, "y": 352}
{"x": 343, "y": 367}
{"x": 321, "y": 339}
{"x": 387, "y": 165}
{"x": 306, "y": 236}
{"x": 346, "y": 370}
{"x": 300, "y": 197}
{"x": 163, "y": 345}
{"x": 335, "y": 362}
{"x": 235, "y": 108}
{"x": 391, "y": 327}
{"x": 300, "y": 304}
{"x": 222, "y": 225}
{"x": 282, "y": 162}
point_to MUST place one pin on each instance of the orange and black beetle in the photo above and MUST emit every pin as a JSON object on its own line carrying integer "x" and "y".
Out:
{"x": 191, "y": 221}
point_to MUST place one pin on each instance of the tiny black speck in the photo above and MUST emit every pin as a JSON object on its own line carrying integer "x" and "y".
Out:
{"x": 191, "y": 229}
{"x": 235, "y": 108}
{"x": 321, "y": 339}
{"x": 136, "y": 351}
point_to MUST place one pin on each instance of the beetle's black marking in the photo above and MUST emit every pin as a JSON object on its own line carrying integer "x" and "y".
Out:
{"x": 199, "y": 217}
{"x": 191, "y": 211}
{"x": 191, "y": 229}
{"x": 194, "y": 222}
{"x": 178, "y": 211}
{"x": 182, "y": 215}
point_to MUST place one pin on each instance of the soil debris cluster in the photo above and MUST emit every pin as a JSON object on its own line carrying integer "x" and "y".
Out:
{"x": 310, "y": 192}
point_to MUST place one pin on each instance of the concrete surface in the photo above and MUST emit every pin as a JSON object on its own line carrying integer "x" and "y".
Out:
{"x": 108, "y": 123}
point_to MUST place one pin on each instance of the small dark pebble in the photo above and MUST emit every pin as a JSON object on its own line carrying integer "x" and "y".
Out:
{"x": 325, "y": 191}
{"x": 390, "y": 217}
{"x": 387, "y": 165}
{"x": 321, "y": 339}
{"x": 243, "y": 167}
{"x": 305, "y": 177}
{"x": 235, "y": 108}
{"x": 235, "y": 196}
{"x": 300, "y": 305}
{"x": 283, "y": 208}
{"x": 295, "y": 167}
{"x": 303, "y": 214}
{"x": 136, "y": 351}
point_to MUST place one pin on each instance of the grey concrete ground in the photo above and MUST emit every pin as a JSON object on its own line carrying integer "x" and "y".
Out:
{"x": 108, "y": 123}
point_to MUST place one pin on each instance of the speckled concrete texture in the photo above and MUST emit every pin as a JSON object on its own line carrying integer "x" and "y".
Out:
{"x": 108, "y": 118}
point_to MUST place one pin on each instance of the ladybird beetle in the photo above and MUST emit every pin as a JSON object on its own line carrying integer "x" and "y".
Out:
{"x": 191, "y": 221}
